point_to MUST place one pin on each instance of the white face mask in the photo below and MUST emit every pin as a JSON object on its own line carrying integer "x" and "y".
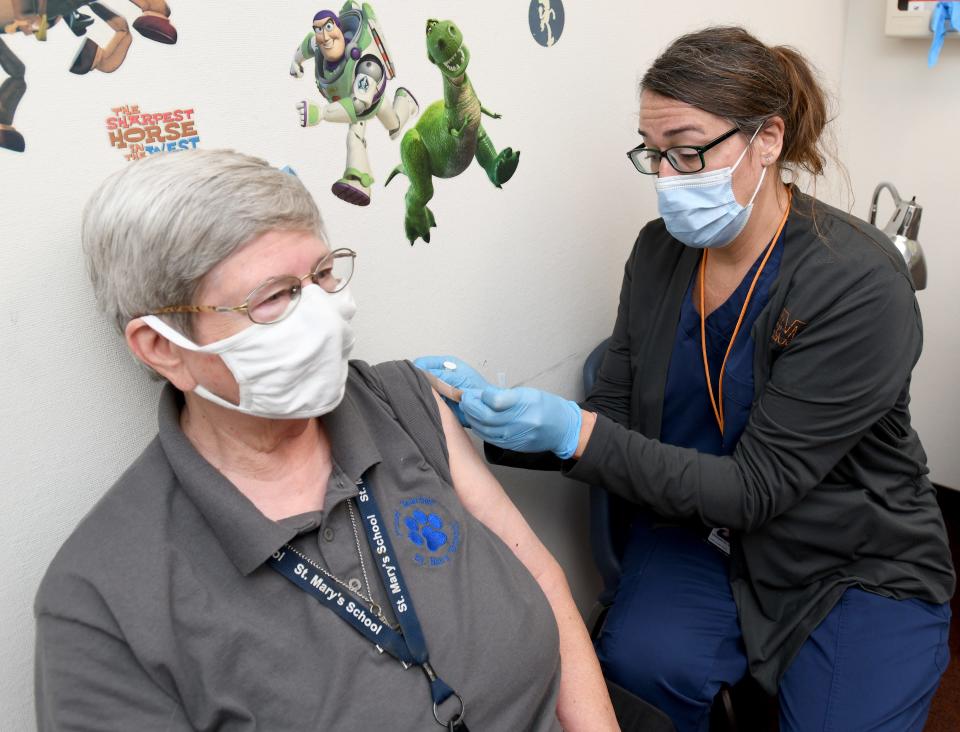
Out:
{"x": 292, "y": 369}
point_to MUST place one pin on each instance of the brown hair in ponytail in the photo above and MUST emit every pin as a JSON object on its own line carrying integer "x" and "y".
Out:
{"x": 806, "y": 112}
{"x": 728, "y": 72}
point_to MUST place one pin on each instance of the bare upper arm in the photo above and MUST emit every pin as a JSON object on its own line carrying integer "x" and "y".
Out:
{"x": 484, "y": 497}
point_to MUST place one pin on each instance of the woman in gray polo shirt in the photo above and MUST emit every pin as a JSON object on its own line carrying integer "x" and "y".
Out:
{"x": 176, "y": 604}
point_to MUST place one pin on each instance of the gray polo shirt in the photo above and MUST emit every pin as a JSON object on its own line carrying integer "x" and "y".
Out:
{"x": 159, "y": 613}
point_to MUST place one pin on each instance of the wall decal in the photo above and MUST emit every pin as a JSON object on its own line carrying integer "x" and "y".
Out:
{"x": 546, "y": 21}
{"x": 351, "y": 68}
{"x": 141, "y": 134}
{"x": 449, "y": 135}
{"x": 36, "y": 17}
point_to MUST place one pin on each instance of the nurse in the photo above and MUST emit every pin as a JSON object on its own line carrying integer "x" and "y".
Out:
{"x": 755, "y": 389}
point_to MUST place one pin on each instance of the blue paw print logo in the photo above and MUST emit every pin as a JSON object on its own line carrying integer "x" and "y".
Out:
{"x": 426, "y": 530}
{"x": 435, "y": 537}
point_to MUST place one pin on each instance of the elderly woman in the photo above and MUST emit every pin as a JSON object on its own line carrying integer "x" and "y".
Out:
{"x": 280, "y": 467}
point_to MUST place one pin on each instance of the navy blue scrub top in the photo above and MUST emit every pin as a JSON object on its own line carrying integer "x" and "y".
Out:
{"x": 688, "y": 419}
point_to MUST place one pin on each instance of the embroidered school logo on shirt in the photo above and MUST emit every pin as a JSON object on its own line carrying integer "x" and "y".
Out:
{"x": 786, "y": 329}
{"x": 422, "y": 529}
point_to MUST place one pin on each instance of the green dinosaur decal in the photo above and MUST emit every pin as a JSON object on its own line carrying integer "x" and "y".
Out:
{"x": 449, "y": 134}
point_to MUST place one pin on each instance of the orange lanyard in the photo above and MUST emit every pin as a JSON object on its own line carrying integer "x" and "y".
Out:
{"x": 717, "y": 403}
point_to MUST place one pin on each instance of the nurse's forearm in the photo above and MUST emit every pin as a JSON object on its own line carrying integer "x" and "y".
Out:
{"x": 675, "y": 482}
{"x": 589, "y": 419}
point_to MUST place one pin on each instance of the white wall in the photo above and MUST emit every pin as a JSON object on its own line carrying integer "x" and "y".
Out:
{"x": 522, "y": 281}
{"x": 900, "y": 122}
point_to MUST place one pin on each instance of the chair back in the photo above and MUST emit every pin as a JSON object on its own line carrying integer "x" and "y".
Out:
{"x": 610, "y": 515}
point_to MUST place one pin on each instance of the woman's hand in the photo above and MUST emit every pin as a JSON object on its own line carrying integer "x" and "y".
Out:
{"x": 523, "y": 419}
{"x": 455, "y": 372}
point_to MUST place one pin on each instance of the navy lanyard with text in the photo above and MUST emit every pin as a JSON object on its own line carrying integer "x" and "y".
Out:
{"x": 408, "y": 646}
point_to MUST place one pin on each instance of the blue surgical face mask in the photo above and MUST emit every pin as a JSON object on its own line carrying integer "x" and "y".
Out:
{"x": 700, "y": 209}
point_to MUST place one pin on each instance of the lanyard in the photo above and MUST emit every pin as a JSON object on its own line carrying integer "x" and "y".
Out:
{"x": 407, "y": 644}
{"x": 717, "y": 403}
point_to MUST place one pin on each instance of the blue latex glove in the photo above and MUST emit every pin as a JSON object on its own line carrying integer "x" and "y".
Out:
{"x": 463, "y": 376}
{"x": 523, "y": 419}
{"x": 945, "y": 19}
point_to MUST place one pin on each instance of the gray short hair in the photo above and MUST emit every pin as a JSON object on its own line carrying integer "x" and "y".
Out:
{"x": 154, "y": 229}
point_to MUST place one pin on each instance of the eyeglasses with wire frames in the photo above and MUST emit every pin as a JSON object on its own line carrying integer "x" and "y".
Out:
{"x": 274, "y": 299}
{"x": 684, "y": 159}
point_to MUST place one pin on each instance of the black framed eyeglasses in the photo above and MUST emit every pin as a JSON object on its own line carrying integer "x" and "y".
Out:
{"x": 682, "y": 158}
{"x": 274, "y": 299}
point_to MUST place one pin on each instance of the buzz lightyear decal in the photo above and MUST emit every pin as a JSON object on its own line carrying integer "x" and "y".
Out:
{"x": 352, "y": 67}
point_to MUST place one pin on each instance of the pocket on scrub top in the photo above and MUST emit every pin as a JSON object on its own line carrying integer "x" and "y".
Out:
{"x": 738, "y": 390}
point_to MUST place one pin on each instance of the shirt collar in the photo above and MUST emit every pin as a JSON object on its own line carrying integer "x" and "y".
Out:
{"x": 353, "y": 446}
{"x": 246, "y": 535}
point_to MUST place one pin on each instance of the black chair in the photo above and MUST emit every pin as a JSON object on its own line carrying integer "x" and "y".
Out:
{"x": 636, "y": 715}
{"x": 610, "y": 519}
{"x": 744, "y": 707}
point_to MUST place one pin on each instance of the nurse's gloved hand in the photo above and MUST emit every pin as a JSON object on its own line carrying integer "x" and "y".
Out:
{"x": 523, "y": 419}
{"x": 452, "y": 370}
{"x": 459, "y": 374}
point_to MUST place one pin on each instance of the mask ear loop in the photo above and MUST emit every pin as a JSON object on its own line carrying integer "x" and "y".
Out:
{"x": 756, "y": 132}
{"x": 763, "y": 170}
{"x": 170, "y": 333}
{"x": 177, "y": 338}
